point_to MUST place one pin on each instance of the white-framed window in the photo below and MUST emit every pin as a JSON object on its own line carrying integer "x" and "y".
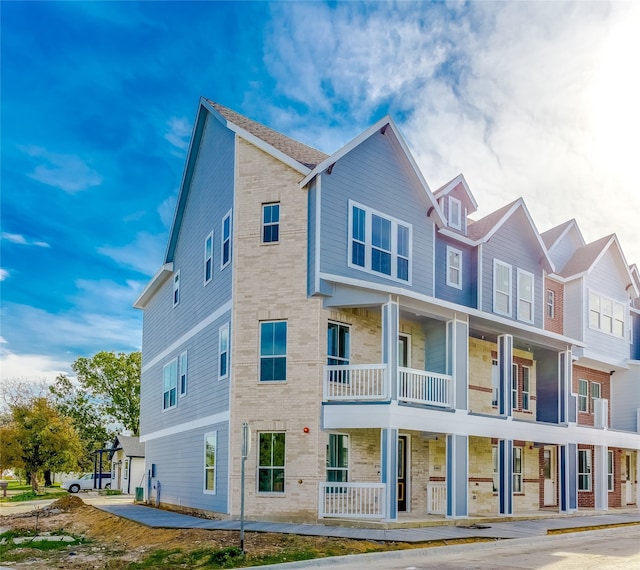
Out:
{"x": 225, "y": 252}
{"x": 551, "y": 304}
{"x": 271, "y": 462}
{"x": 223, "y": 352}
{"x": 183, "y": 373}
{"x": 584, "y": 470}
{"x": 379, "y": 243}
{"x": 495, "y": 381}
{"x": 517, "y": 470}
{"x": 273, "y": 351}
{"x": 526, "y": 387}
{"x": 496, "y": 475}
{"x": 583, "y": 396}
{"x": 208, "y": 258}
{"x": 338, "y": 458}
{"x": 176, "y": 288}
{"x": 525, "y": 296}
{"x": 610, "y": 479}
{"x": 454, "y": 267}
{"x": 606, "y": 315}
{"x": 170, "y": 384}
{"x": 514, "y": 386}
{"x": 125, "y": 475}
{"x": 271, "y": 223}
{"x": 501, "y": 288}
{"x": 210, "y": 448}
{"x": 596, "y": 391}
{"x": 455, "y": 213}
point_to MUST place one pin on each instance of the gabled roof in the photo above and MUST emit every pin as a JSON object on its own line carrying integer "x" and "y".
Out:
{"x": 387, "y": 127}
{"x": 552, "y": 236}
{"x": 130, "y": 444}
{"x": 452, "y": 185}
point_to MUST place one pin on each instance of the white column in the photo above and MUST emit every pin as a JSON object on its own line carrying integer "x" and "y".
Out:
{"x": 599, "y": 475}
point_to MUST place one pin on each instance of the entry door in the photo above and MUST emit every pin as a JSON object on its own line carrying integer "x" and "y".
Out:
{"x": 549, "y": 474}
{"x": 402, "y": 473}
{"x": 404, "y": 351}
{"x": 629, "y": 479}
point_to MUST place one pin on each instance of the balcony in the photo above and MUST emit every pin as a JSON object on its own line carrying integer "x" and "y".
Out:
{"x": 371, "y": 383}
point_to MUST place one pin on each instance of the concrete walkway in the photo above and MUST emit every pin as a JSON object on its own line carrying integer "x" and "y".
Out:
{"x": 158, "y": 518}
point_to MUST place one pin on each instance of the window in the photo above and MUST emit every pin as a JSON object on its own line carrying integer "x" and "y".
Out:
{"x": 379, "y": 243}
{"x": 525, "y": 296}
{"x": 584, "y": 470}
{"x": 210, "y": 446}
{"x": 495, "y": 381}
{"x": 183, "y": 373}
{"x": 583, "y": 396}
{"x": 496, "y": 475}
{"x": 208, "y": 258}
{"x": 176, "y": 288}
{"x": 338, "y": 458}
{"x": 610, "y": 480}
{"x": 273, "y": 351}
{"x": 454, "y": 267}
{"x": 270, "y": 223}
{"x": 514, "y": 386}
{"x": 455, "y": 213}
{"x": 338, "y": 344}
{"x": 226, "y": 241}
{"x": 271, "y": 463}
{"x": 596, "y": 390}
{"x": 501, "y": 288}
{"x": 517, "y": 470}
{"x": 223, "y": 352}
{"x": 126, "y": 469}
{"x": 551, "y": 304}
{"x": 526, "y": 379}
{"x": 606, "y": 315}
{"x": 170, "y": 384}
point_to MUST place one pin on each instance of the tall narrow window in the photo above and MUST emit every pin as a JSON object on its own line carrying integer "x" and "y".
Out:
{"x": 210, "y": 445}
{"x": 380, "y": 245}
{"x": 610, "y": 479}
{"x": 583, "y": 396}
{"x": 455, "y": 213}
{"x": 271, "y": 457}
{"x": 338, "y": 344}
{"x": 176, "y": 288}
{"x": 126, "y": 469}
{"x": 496, "y": 474}
{"x": 525, "y": 296}
{"x": 551, "y": 304}
{"x": 223, "y": 351}
{"x": 358, "y": 236}
{"x": 514, "y": 386}
{"x": 338, "y": 458}
{"x": 208, "y": 258}
{"x": 183, "y": 373}
{"x": 270, "y": 223}
{"x": 596, "y": 390}
{"x": 454, "y": 267}
{"x": 584, "y": 470}
{"x": 526, "y": 379}
{"x": 517, "y": 470}
{"x": 226, "y": 241}
{"x": 403, "y": 253}
{"x": 170, "y": 384}
{"x": 273, "y": 351}
{"x": 594, "y": 310}
{"x": 501, "y": 288}
{"x": 495, "y": 381}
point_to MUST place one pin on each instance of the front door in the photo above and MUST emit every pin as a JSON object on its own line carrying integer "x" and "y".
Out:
{"x": 404, "y": 351}
{"x": 629, "y": 479}
{"x": 549, "y": 474}
{"x": 402, "y": 473}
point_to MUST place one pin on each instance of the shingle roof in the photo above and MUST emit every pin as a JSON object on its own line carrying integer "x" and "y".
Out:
{"x": 305, "y": 155}
{"x": 550, "y": 236}
{"x": 479, "y": 228}
{"x": 584, "y": 257}
{"x": 130, "y": 445}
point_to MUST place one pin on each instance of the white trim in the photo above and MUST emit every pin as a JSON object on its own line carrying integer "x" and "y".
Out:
{"x": 175, "y": 295}
{"x": 318, "y": 223}
{"x": 208, "y": 258}
{"x": 508, "y": 312}
{"x": 263, "y": 225}
{"x": 188, "y": 335}
{"x": 156, "y": 282}
{"x": 457, "y": 251}
{"x": 213, "y": 491}
{"x": 459, "y": 237}
{"x": 520, "y": 273}
{"x": 285, "y": 355}
{"x": 221, "y": 330}
{"x": 183, "y": 363}
{"x": 173, "y": 384}
{"x": 601, "y": 314}
{"x": 226, "y": 217}
{"x": 187, "y": 426}
{"x": 458, "y": 206}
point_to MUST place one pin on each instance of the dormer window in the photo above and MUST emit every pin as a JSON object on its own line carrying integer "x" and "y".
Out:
{"x": 455, "y": 213}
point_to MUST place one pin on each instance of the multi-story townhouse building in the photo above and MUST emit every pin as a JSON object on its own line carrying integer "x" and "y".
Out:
{"x": 379, "y": 351}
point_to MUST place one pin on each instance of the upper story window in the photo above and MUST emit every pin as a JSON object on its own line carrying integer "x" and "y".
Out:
{"x": 551, "y": 304}
{"x": 226, "y": 241}
{"x": 606, "y": 315}
{"x": 270, "y": 223}
{"x": 223, "y": 352}
{"x": 455, "y": 213}
{"x": 454, "y": 267}
{"x": 525, "y": 296}
{"x": 183, "y": 373}
{"x": 208, "y": 258}
{"x": 176, "y": 288}
{"x": 338, "y": 344}
{"x": 596, "y": 391}
{"x": 583, "y": 396}
{"x": 273, "y": 351}
{"x": 501, "y": 288}
{"x": 526, "y": 387}
{"x": 379, "y": 244}
{"x": 169, "y": 384}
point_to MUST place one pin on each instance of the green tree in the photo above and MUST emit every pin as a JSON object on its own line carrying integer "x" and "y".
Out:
{"x": 38, "y": 438}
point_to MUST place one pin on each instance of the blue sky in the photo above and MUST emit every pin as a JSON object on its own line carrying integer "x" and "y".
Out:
{"x": 525, "y": 99}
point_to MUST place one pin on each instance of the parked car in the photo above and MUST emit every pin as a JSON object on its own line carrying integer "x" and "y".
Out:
{"x": 86, "y": 482}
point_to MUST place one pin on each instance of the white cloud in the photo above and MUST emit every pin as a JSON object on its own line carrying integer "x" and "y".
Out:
{"x": 166, "y": 209}
{"x": 178, "y": 133}
{"x": 32, "y": 367}
{"x": 21, "y": 240}
{"x": 145, "y": 254}
{"x": 4, "y": 274}
{"x": 65, "y": 171}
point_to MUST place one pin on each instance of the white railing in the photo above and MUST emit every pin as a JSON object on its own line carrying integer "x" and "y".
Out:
{"x": 437, "y": 498}
{"x": 356, "y": 382}
{"x": 422, "y": 387}
{"x": 352, "y": 500}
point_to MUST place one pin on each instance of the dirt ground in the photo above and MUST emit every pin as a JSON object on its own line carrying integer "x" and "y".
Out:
{"x": 116, "y": 542}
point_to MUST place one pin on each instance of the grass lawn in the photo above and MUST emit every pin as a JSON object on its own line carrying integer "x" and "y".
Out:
{"x": 17, "y": 491}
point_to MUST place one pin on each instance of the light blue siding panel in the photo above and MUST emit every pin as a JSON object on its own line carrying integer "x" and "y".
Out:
{"x": 564, "y": 249}
{"x": 436, "y": 348}
{"x": 374, "y": 176}
{"x": 573, "y": 309}
{"x": 467, "y": 295}
{"x": 625, "y": 398}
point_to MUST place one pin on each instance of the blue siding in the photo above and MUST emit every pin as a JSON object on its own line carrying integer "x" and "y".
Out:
{"x": 435, "y": 349}
{"x": 373, "y": 175}
{"x": 466, "y": 296}
{"x": 547, "y": 395}
{"x": 635, "y": 345}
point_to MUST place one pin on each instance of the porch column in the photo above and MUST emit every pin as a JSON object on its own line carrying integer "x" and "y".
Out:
{"x": 390, "y": 330}
{"x": 505, "y": 476}
{"x": 457, "y": 476}
{"x": 458, "y": 360}
{"x": 600, "y": 478}
{"x": 505, "y": 361}
{"x": 568, "y": 469}
{"x": 564, "y": 385}
{"x": 389, "y": 470}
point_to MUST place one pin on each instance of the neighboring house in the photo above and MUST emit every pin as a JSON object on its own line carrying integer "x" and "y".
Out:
{"x": 127, "y": 463}
{"x": 388, "y": 354}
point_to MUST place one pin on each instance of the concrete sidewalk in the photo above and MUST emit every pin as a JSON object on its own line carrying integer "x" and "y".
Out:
{"x": 158, "y": 518}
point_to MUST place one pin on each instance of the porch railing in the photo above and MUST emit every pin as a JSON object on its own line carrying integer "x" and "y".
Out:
{"x": 422, "y": 387}
{"x": 352, "y": 500}
{"x": 356, "y": 382}
{"x": 437, "y": 498}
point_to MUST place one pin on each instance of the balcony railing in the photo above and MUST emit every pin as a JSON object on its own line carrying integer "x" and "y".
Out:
{"x": 421, "y": 387}
{"x": 352, "y": 500}
{"x": 437, "y": 498}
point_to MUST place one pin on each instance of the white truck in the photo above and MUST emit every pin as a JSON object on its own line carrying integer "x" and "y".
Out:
{"x": 86, "y": 482}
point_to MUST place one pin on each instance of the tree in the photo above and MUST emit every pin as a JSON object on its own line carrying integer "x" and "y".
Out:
{"x": 39, "y": 438}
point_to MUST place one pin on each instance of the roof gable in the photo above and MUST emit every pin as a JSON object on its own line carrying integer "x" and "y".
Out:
{"x": 460, "y": 187}
{"x": 131, "y": 445}
{"x": 554, "y": 236}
